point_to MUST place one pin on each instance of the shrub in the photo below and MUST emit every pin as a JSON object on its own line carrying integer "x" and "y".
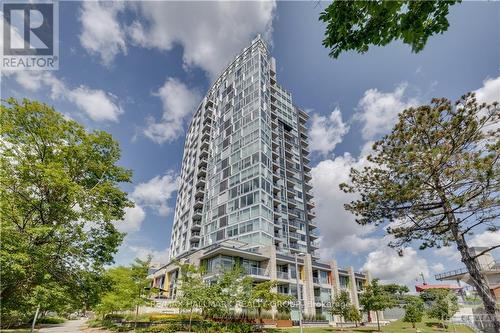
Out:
{"x": 50, "y": 320}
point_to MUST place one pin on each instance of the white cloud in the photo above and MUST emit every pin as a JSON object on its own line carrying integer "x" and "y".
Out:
{"x": 486, "y": 238}
{"x": 437, "y": 268}
{"x": 210, "y": 33}
{"x": 449, "y": 252}
{"x": 178, "y": 102}
{"x": 134, "y": 216}
{"x": 98, "y": 105}
{"x": 490, "y": 91}
{"x": 157, "y": 256}
{"x": 385, "y": 264}
{"x": 156, "y": 192}
{"x": 378, "y": 111}
{"x": 327, "y": 132}
{"x": 338, "y": 228}
{"x": 101, "y": 32}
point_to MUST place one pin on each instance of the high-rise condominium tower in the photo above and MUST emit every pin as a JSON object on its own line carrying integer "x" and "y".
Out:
{"x": 245, "y": 170}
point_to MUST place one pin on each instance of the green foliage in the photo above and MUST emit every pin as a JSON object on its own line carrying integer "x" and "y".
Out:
{"x": 263, "y": 296}
{"x": 443, "y": 304}
{"x": 355, "y": 25}
{"x": 435, "y": 180}
{"x": 341, "y": 305}
{"x": 414, "y": 310}
{"x": 50, "y": 320}
{"x": 376, "y": 298}
{"x": 353, "y": 314}
{"x": 128, "y": 288}
{"x": 59, "y": 194}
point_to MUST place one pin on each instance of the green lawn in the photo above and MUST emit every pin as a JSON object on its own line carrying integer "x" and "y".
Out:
{"x": 394, "y": 327}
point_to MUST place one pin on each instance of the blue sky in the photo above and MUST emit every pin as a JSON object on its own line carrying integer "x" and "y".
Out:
{"x": 138, "y": 70}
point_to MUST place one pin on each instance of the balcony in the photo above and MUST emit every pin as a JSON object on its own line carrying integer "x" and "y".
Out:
{"x": 202, "y": 171}
{"x": 203, "y": 162}
{"x": 196, "y": 225}
{"x": 204, "y": 144}
{"x": 200, "y": 182}
{"x": 315, "y": 280}
{"x": 256, "y": 271}
{"x": 195, "y": 235}
{"x": 197, "y": 214}
{"x": 200, "y": 192}
{"x": 198, "y": 203}
{"x": 294, "y": 235}
{"x": 282, "y": 275}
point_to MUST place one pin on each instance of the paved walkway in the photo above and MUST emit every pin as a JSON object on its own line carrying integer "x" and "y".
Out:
{"x": 69, "y": 326}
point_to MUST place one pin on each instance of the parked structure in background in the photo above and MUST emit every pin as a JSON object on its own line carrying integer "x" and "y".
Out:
{"x": 245, "y": 194}
{"x": 489, "y": 267}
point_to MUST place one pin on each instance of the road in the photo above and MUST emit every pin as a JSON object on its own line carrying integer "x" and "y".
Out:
{"x": 69, "y": 326}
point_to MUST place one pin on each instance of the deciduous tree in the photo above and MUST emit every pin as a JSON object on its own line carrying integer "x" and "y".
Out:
{"x": 376, "y": 298}
{"x": 59, "y": 196}
{"x": 414, "y": 310}
{"x": 355, "y": 25}
{"x": 341, "y": 306}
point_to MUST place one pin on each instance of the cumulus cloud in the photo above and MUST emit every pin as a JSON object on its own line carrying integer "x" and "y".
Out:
{"x": 157, "y": 256}
{"x": 437, "y": 268}
{"x": 327, "y": 132}
{"x": 97, "y": 104}
{"x": 178, "y": 102}
{"x": 134, "y": 216}
{"x": 490, "y": 91}
{"x": 378, "y": 111}
{"x": 385, "y": 264}
{"x": 156, "y": 192}
{"x": 101, "y": 32}
{"x": 338, "y": 228}
{"x": 209, "y": 33}
{"x": 486, "y": 239}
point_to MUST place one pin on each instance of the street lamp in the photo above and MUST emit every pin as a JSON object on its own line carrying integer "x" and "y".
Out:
{"x": 298, "y": 289}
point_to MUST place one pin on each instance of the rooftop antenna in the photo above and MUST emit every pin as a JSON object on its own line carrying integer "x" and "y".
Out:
{"x": 423, "y": 279}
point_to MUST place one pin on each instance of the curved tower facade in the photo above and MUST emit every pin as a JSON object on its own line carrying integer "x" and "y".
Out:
{"x": 245, "y": 170}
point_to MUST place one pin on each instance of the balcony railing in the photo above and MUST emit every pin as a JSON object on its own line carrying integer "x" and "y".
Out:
{"x": 256, "y": 271}
{"x": 282, "y": 275}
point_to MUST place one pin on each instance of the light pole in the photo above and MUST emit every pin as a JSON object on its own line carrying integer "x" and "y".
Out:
{"x": 298, "y": 290}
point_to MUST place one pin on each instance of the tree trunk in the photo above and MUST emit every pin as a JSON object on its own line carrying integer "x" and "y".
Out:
{"x": 341, "y": 324}
{"x": 190, "y": 318}
{"x": 413, "y": 325}
{"x": 34, "y": 318}
{"x": 477, "y": 278}
{"x": 378, "y": 322}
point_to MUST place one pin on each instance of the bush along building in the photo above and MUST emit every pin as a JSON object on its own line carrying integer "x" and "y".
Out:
{"x": 245, "y": 193}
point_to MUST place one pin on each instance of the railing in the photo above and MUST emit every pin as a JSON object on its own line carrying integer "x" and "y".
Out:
{"x": 255, "y": 271}
{"x": 282, "y": 275}
{"x": 491, "y": 267}
{"x": 315, "y": 280}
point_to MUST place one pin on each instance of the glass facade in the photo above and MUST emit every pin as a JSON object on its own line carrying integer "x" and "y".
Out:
{"x": 245, "y": 172}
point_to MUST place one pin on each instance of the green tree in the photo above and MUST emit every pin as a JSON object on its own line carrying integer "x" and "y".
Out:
{"x": 375, "y": 298}
{"x": 443, "y": 306}
{"x": 341, "y": 306}
{"x": 263, "y": 296}
{"x": 353, "y": 315}
{"x": 192, "y": 290}
{"x": 129, "y": 288}
{"x": 414, "y": 310}
{"x": 355, "y": 25}
{"x": 59, "y": 196}
{"x": 436, "y": 178}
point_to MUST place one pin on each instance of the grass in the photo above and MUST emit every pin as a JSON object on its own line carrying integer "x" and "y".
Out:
{"x": 398, "y": 326}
